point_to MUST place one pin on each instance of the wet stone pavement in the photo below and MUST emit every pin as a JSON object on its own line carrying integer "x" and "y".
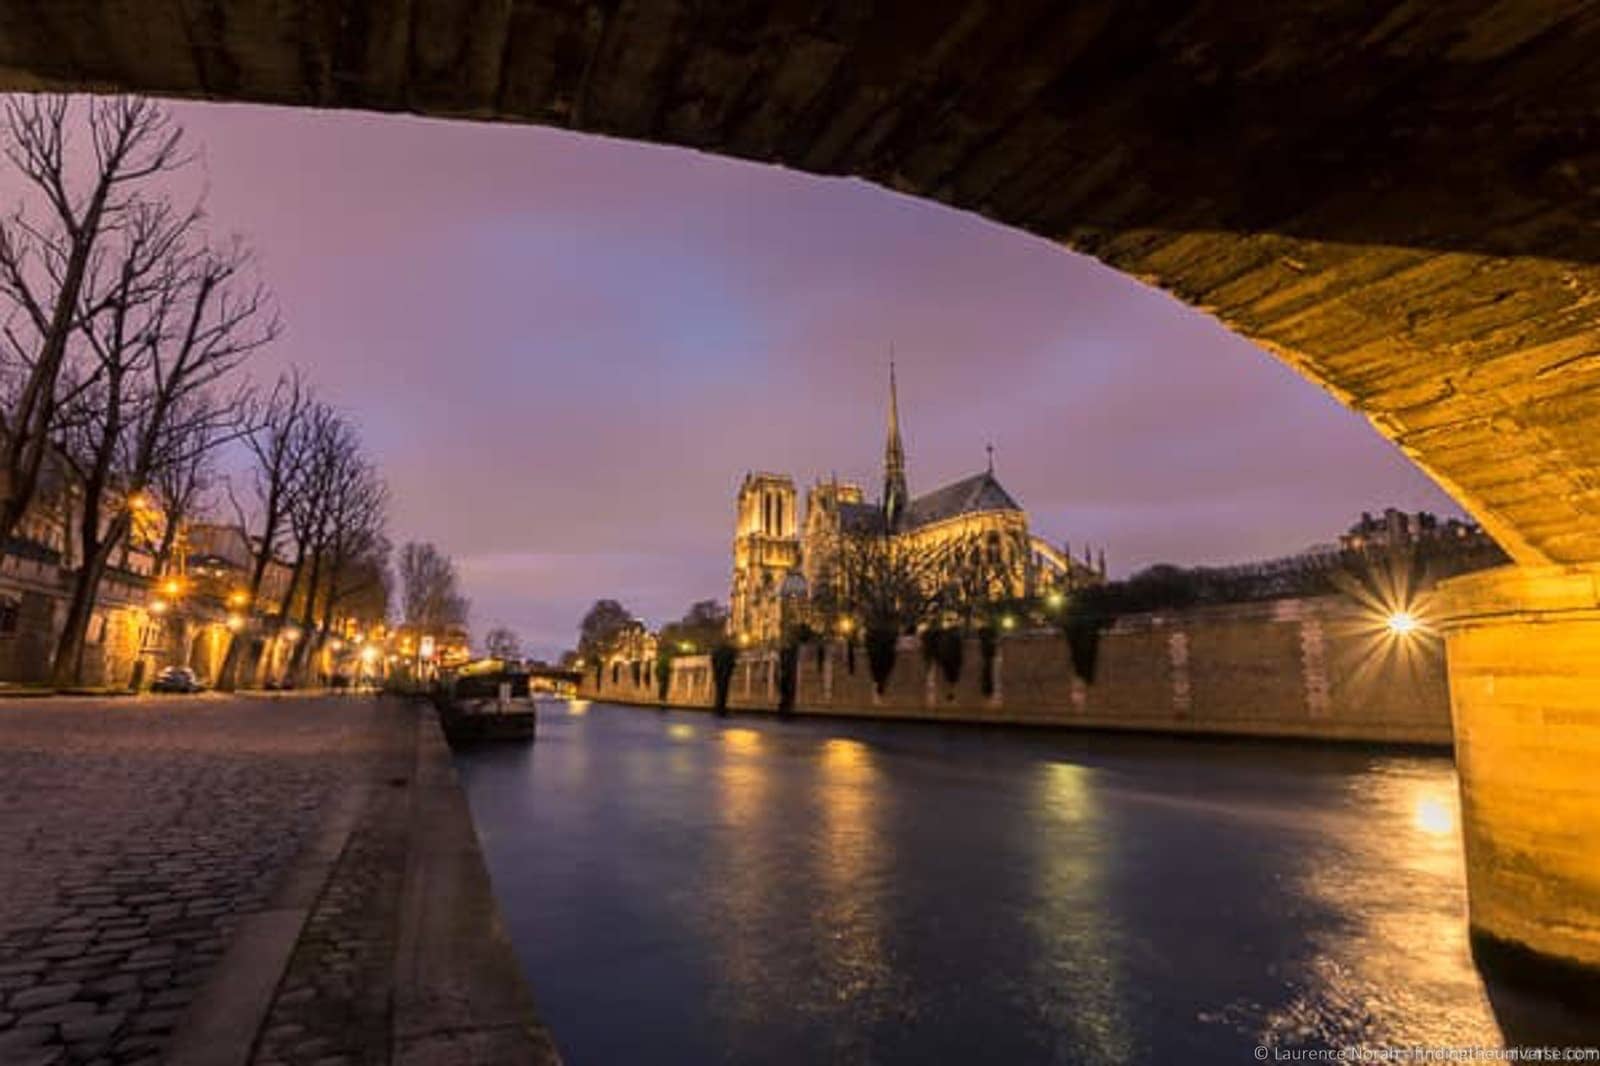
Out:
{"x": 134, "y": 835}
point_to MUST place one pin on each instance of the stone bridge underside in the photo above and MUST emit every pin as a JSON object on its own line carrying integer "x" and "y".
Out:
{"x": 1400, "y": 200}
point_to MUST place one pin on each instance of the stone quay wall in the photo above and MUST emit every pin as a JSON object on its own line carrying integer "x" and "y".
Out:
{"x": 1321, "y": 667}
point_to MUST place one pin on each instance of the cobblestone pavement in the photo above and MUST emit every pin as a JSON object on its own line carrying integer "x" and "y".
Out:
{"x": 133, "y": 833}
{"x": 334, "y": 1006}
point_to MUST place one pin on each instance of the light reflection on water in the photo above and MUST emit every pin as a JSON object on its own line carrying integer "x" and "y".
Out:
{"x": 683, "y": 888}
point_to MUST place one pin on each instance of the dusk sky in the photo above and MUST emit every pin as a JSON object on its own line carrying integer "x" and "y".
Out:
{"x": 565, "y": 352}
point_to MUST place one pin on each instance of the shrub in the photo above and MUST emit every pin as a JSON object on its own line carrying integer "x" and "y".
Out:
{"x": 988, "y": 646}
{"x": 663, "y": 675}
{"x": 943, "y": 646}
{"x": 724, "y": 657}
{"x": 881, "y": 641}
{"x": 788, "y": 676}
{"x": 1086, "y": 617}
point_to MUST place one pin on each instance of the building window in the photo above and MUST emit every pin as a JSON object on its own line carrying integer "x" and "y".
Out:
{"x": 97, "y": 628}
{"x": 10, "y": 614}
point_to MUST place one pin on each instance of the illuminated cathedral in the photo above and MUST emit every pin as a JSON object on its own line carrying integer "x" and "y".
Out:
{"x": 784, "y": 568}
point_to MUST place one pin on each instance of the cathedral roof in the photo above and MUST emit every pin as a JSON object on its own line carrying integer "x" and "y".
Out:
{"x": 860, "y": 517}
{"x": 970, "y": 495}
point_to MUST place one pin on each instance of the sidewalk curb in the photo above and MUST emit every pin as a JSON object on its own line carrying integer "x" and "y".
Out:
{"x": 222, "y": 1023}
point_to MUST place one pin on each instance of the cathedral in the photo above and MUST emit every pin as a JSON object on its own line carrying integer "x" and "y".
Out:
{"x": 786, "y": 570}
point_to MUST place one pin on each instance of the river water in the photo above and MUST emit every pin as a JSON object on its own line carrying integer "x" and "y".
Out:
{"x": 683, "y": 888}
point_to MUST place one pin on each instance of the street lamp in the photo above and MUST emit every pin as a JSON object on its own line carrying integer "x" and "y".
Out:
{"x": 1402, "y": 623}
{"x": 235, "y": 622}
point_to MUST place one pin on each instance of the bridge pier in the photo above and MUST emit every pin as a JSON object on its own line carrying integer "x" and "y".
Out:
{"x": 1524, "y": 655}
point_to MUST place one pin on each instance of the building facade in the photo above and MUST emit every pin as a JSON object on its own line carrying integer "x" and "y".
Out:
{"x": 971, "y": 530}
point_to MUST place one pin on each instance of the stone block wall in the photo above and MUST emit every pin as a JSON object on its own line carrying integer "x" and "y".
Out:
{"x": 1321, "y": 667}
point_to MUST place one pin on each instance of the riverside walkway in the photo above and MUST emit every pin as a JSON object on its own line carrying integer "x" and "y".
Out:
{"x": 221, "y": 881}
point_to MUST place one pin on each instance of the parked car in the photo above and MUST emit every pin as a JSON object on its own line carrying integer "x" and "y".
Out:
{"x": 176, "y": 679}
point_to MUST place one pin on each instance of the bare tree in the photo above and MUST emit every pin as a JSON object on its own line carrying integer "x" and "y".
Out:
{"x": 502, "y": 643}
{"x": 182, "y": 485}
{"x": 600, "y": 632}
{"x": 429, "y": 589}
{"x": 48, "y": 262}
{"x": 277, "y": 446}
{"x": 172, "y": 324}
{"x": 305, "y": 513}
{"x": 356, "y": 548}
{"x": 332, "y": 452}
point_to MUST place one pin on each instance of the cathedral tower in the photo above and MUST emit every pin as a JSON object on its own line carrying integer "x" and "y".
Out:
{"x": 766, "y": 547}
{"x": 895, "y": 495}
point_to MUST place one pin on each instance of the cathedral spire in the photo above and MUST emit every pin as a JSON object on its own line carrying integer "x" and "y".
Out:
{"x": 895, "y": 495}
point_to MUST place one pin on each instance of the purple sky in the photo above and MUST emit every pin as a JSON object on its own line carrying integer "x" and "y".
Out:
{"x": 566, "y": 352}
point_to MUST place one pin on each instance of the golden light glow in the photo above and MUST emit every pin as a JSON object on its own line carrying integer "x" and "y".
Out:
{"x": 741, "y": 739}
{"x": 291, "y": 634}
{"x": 336, "y": 644}
{"x": 679, "y": 731}
{"x": 684, "y": 645}
{"x": 235, "y": 622}
{"x": 846, "y": 625}
{"x": 841, "y": 753}
{"x": 172, "y": 587}
{"x": 238, "y": 598}
{"x": 1054, "y": 600}
{"x": 1434, "y": 814}
{"x": 1008, "y": 622}
{"x": 369, "y": 654}
{"x": 1401, "y": 623}
{"x": 158, "y": 606}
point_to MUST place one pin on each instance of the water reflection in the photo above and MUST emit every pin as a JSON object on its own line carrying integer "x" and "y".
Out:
{"x": 1077, "y": 981}
{"x": 847, "y": 915}
{"x": 1395, "y": 966}
{"x": 688, "y": 889}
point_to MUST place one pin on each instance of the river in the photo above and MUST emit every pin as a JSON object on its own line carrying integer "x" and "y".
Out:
{"x": 683, "y": 888}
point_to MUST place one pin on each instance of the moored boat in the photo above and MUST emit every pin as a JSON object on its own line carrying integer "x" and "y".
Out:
{"x": 486, "y": 701}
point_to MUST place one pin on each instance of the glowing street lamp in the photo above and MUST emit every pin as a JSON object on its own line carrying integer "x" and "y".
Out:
{"x": 158, "y": 606}
{"x": 1402, "y": 623}
{"x": 1008, "y": 622}
{"x": 173, "y": 587}
{"x": 1054, "y": 601}
{"x": 235, "y": 622}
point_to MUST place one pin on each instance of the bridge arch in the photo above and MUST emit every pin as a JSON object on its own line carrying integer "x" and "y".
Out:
{"x": 1402, "y": 202}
